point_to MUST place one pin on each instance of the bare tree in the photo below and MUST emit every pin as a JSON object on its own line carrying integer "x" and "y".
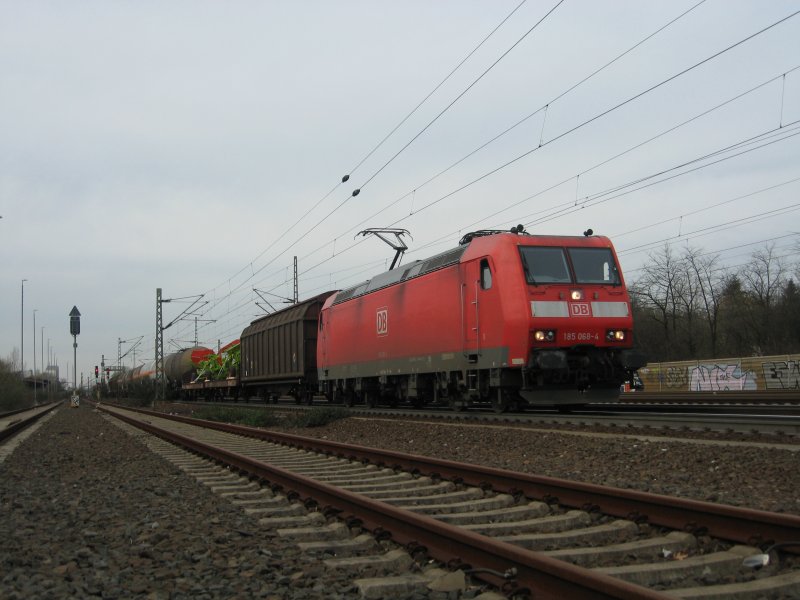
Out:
{"x": 655, "y": 292}
{"x": 710, "y": 283}
{"x": 13, "y": 360}
{"x": 764, "y": 278}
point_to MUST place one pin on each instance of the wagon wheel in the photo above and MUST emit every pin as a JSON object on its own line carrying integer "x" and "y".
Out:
{"x": 455, "y": 400}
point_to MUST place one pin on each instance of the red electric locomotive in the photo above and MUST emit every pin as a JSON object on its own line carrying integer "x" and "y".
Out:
{"x": 506, "y": 319}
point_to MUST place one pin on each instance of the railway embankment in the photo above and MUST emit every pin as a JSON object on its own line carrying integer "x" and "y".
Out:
{"x": 87, "y": 511}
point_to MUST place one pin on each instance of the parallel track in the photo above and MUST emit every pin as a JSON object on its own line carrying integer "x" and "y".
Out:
{"x": 15, "y": 421}
{"x": 784, "y": 420}
{"x": 413, "y": 508}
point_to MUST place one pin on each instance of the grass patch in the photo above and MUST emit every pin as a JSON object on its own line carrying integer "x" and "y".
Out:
{"x": 253, "y": 417}
{"x": 259, "y": 417}
{"x": 318, "y": 417}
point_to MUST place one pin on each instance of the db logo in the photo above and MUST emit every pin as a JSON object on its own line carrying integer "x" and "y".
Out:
{"x": 382, "y": 321}
{"x": 579, "y": 309}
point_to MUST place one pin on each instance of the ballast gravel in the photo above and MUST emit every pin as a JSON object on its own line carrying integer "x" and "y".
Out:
{"x": 86, "y": 511}
{"x": 761, "y": 475}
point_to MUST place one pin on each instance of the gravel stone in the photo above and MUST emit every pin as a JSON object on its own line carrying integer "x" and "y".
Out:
{"x": 765, "y": 478}
{"x": 86, "y": 511}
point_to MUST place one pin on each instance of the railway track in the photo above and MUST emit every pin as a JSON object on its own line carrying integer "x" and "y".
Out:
{"x": 525, "y": 534}
{"x": 782, "y": 419}
{"x": 18, "y": 424}
{"x": 715, "y": 397}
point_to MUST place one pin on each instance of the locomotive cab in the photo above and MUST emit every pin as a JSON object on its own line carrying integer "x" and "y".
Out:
{"x": 581, "y": 327}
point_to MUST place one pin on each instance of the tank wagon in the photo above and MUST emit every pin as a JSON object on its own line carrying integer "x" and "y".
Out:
{"x": 179, "y": 368}
{"x": 508, "y": 319}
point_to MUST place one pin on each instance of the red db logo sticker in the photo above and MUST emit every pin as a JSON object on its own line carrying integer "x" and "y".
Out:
{"x": 579, "y": 309}
{"x": 382, "y": 321}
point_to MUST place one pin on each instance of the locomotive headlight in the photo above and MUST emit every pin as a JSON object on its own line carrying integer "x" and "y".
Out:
{"x": 615, "y": 335}
{"x": 576, "y": 294}
{"x": 544, "y": 335}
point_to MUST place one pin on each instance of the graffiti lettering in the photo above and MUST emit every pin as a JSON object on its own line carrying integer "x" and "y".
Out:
{"x": 783, "y": 375}
{"x": 721, "y": 377}
{"x": 675, "y": 378}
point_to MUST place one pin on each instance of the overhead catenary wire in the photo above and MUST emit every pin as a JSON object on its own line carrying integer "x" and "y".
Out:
{"x": 786, "y": 133}
{"x": 439, "y": 85}
{"x": 599, "y": 115}
{"x": 713, "y": 228}
{"x": 386, "y": 137}
{"x": 355, "y": 192}
{"x": 606, "y": 161}
{"x": 592, "y": 119}
{"x": 710, "y": 207}
{"x": 461, "y": 95}
{"x": 723, "y": 250}
{"x": 521, "y": 121}
{"x": 673, "y": 77}
{"x": 612, "y": 194}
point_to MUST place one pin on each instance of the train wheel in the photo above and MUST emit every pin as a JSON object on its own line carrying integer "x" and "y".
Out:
{"x": 501, "y": 401}
{"x": 456, "y": 401}
{"x": 370, "y": 399}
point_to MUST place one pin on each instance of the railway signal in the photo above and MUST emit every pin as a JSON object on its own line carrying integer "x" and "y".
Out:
{"x": 74, "y": 330}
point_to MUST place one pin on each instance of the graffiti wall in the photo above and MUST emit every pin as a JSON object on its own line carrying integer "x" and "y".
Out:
{"x": 752, "y": 373}
{"x": 782, "y": 375}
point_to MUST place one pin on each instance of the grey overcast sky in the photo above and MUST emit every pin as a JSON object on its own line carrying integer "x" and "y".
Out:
{"x": 199, "y": 146}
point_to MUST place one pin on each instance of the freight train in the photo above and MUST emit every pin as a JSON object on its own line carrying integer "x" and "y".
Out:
{"x": 505, "y": 319}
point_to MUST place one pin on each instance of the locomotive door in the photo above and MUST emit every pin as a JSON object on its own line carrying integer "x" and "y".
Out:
{"x": 470, "y": 310}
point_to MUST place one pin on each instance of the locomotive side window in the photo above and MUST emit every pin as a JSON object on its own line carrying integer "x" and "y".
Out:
{"x": 544, "y": 265}
{"x": 594, "y": 265}
{"x": 486, "y": 275}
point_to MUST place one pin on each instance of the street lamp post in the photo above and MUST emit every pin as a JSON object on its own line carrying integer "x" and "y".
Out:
{"x": 43, "y": 367}
{"x": 22, "y": 331}
{"x": 35, "y": 382}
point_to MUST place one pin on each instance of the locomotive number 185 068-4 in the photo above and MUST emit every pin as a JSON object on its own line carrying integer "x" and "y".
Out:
{"x": 581, "y": 336}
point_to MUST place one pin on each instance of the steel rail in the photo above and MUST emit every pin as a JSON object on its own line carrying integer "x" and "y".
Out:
{"x": 17, "y": 426}
{"x": 741, "y": 525}
{"x": 544, "y": 576}
{"x": 789, "y": 396}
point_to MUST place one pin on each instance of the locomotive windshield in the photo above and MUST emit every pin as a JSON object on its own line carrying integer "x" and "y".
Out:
{"x": 545, "y": 265}
{"x": 550, "y": 265}
{"x": 594, "y": 265}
